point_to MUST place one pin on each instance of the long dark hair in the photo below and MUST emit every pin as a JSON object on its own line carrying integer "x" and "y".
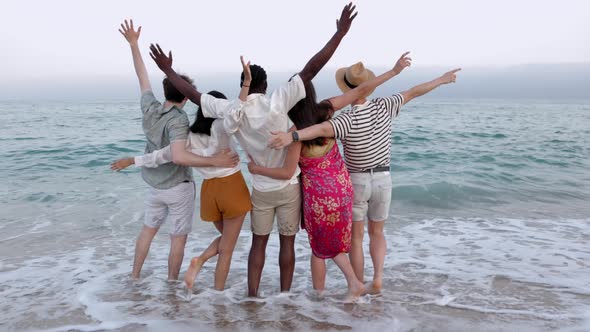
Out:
{"x": 202, "y": 125}
{"x": 307, "y": 112}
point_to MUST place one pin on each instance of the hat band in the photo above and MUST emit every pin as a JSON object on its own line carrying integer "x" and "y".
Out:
{"x": 348, "y": 84}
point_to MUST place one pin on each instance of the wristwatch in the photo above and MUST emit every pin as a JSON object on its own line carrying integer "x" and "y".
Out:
{"x": 295, "y": 136}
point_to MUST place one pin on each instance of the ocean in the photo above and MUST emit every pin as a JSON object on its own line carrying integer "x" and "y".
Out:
{"x": 488, "y": 230}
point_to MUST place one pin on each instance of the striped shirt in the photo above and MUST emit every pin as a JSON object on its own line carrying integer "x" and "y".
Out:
{"x": 365, "y": 132}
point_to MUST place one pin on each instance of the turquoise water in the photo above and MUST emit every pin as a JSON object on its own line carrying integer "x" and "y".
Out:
{"x": 488, "y": 229}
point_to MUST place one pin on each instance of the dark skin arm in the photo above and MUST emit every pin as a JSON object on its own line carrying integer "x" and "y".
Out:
{"x": 318, "y": 61}
{"x": 165, "y": 64}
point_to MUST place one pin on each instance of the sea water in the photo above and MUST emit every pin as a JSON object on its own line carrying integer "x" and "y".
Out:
{"x": 488, "y": 230}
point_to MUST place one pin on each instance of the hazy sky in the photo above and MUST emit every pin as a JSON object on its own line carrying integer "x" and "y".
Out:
{"x": 46, "y": 40}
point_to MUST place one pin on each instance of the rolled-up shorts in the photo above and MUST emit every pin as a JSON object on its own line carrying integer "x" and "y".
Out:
{"x": 177, "y": 205}
{"x": 284, "y": 203}
{"x": 224, "y": 198}
{"x": 372, "y": 196}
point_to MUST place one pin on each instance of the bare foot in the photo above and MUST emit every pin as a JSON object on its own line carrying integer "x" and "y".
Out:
{"x": 376, "y": 286}
{"x": 193, "y": 270}
{"x": 355, "y": 291}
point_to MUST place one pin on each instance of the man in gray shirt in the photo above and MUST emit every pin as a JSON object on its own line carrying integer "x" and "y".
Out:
{"x": 172, "y": 193}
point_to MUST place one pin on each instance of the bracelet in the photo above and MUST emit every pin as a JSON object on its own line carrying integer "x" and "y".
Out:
{"x": 245, "y": 86}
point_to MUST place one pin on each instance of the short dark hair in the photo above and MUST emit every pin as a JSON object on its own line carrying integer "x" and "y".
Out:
{"x": 307, "y": 112}
{"x": 258, "y": 78}
{"x": 202, "y": 125}
{"x": 171, "y": 93}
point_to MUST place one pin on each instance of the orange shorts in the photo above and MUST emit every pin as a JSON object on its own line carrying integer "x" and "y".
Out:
{"x": 224, "y": 198}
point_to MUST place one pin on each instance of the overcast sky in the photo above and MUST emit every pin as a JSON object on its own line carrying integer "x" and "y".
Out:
{"x": 46, "y": 40}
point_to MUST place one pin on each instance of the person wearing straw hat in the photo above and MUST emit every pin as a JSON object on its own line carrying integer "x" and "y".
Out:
{"x": 365, "y": 132}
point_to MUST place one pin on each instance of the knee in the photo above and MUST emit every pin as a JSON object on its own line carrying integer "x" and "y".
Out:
{"x": 375, "y": 231}
{"x": 225, "y": 251}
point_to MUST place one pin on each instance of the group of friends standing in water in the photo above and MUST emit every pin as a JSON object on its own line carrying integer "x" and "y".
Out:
{"x": 298, "y": 173}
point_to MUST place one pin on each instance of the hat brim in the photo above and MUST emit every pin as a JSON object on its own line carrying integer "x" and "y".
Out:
{"x": 342, "y": 84}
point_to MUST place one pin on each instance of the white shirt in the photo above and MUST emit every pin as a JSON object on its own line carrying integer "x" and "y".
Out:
{"x": 199, "y": 144}
{"x": 253, "y": 122}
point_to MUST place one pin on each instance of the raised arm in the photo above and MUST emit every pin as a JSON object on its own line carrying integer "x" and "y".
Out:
{"x": 424, "y": 88}
{"x": 165, "y": 64}
{"x": 318, "y": 61}
{"x": 132, "y": 37}
{"x": 365, "y": 88}
{"x": 247, "y": 79}
{"x": 281, "y": 173}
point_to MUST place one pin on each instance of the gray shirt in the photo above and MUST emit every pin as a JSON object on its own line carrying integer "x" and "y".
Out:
{"x": 161, "y": 127}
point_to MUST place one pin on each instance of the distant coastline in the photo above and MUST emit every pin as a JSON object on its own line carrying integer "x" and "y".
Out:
{"x": 532, "y": 81}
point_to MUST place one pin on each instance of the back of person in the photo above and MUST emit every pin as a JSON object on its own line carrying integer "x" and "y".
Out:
{"x": 207, "y": 146}
{"x": 367, "y": 144}
{"x": 162, "y": 126}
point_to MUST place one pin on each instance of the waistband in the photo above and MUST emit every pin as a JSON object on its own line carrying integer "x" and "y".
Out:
{"x": 373, "y": 170}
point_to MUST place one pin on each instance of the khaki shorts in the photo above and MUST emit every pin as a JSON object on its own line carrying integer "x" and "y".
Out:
{"x": 176, "y": 204}
{"x": 224, "y": 198}
{"x": 284, "y": 203}
{"x": 372, "y": 196}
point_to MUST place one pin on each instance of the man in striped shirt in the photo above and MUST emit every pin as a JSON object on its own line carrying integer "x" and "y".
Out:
{"x": 365, "y": 131}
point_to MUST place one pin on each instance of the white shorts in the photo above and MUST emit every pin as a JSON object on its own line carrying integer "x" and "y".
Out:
{"x": 176, "y": 204}
{"x": 372, "y": 196}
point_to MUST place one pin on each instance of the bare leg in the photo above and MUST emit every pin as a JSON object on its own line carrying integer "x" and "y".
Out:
{"x": 378, "y": 248}
{"x": 256, "y": 262}
{"x": 176, "y": 255}
{"x": 142, "y": 247}
{"x": 318, "y": 273}
{"x": 355, "y": 287}
{"x": 357, "y": 256}
{"x": 287, "y": 261}
{"x": 229, "y": 237}
{"x": 197, "y": 262}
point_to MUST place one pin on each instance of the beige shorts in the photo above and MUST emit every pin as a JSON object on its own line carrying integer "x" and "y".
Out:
{"x": 284, "y": 203}
{"x": 372, "y": 196}
{"x": 176, "y": 204}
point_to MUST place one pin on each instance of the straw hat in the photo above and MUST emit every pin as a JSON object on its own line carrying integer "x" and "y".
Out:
{"x": 348, "y": 78}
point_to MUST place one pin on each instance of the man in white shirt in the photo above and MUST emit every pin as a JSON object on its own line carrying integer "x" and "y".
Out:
{"x": 259, "y": 116}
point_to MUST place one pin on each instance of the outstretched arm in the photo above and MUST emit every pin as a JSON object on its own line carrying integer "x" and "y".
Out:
{"x": 318, "y": 61}
{"x": 279, "y": 140}
{"x": 132, "y": 37}
{"x": 165, "y": 64}
{"x": 282, "y": 173}
{"x": 424, "y": 88}
{"x": 180, "y": 156}
{"x": 365, "y": 88}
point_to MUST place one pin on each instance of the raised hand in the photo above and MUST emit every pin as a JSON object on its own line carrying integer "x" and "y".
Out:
{"x": 279, "y": 140}
{"x": 121, "y": 164}
{"x": 246, "y": 69}
{"x": 164, "y": 62}
{"x": 343, "y": 24}
{"x": 129, "y": 32}
{"x": 403, "y": 62}
{"x": 450, "y": 76}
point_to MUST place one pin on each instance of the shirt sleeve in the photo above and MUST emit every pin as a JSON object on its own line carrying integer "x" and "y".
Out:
{"x": 177, "y": 128}
{"x": 154, "y": 159}
{"x": 215, "y": 107}
{"x": 287, "y": 95}
{"x": 342, "y": 125}
{"x": 232, "y": 120}
{"x": 149, "y": 102}
{"x": 391, "y": 104}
